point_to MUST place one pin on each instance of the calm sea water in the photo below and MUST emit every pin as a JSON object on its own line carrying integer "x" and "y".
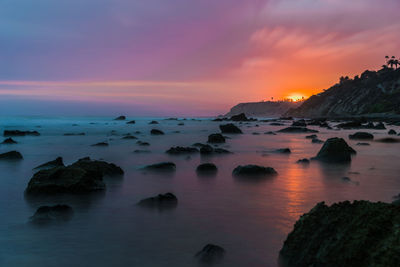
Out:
{"x": 249, "y": 219}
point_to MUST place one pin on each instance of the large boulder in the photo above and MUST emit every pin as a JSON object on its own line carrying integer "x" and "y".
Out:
{"x": 58, "y": 162}
{"x": 335, "y": 150}
{"x": 230, "y": 128}
{"x": 161, "y": 201}
{"x": 12, "y": 155}
{"x": 216, "y": 138}
{"x": 253, "y": 170}
{"x": 49, "y": 214}
{"x": 210, "y": 254}
{"x": 20, "y": 133}
{"x": 361, "y": 136}
{"x": 296, "y": 129}
{"x": 345, "y": 234}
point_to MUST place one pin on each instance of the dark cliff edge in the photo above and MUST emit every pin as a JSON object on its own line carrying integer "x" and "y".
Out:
{"x": 263, "y": 109}
{"x": 373, "y": 94}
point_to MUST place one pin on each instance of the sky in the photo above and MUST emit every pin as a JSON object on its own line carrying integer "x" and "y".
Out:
{"x": 180, "y": 57}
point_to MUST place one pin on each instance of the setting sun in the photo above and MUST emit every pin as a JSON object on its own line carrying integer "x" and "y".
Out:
{"x": 296, "y": 97}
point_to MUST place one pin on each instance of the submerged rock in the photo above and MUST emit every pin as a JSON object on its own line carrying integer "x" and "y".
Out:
{"x": 299, "y": 123}
{"x": 362, "y": 144}
{"x": 131, "y": 122}
{"x": 361, "y": 136}
{"x": 241, "y": 117}
{"x": 74, "y": 134}
{"x": 283, "y": 151}
{"x": 210, "y": 254}
{"x": 253, "y": 170}
{"x": 141, "y": 143}
{"x": 156, "y": 132}
{"x": 101, "y": 144}
{"x": 49, "y": 214}
{"x": 361, "y": 233}
{"x": 230, "y": 128}
{"x": 295, "y": 129}
{"x": 9, "y": 141}
{"x": 313, "y": 136}
{"x": 303, "y": 161}
{"x": 389, "y": 140}
{"x": 12, "y": 155}
{"x": 129, "y": 137}
{"x": 58, "y": 162}
{"x": 162, "y": 166}
{"x": 120, "y": 118}
{"x": 216, "y": 138}
{"x": 350, "y": 125}
{"x": 207, "y": 168}
{"x": 20, "y": 133}
{"x": 316, "y": 141}
{"x": 141, "y": 151}
{"x": 270, "y": 133}
{"x": 153, "y": 122}
{"x": 276, "y": 124}
{"x": 392, "y": 132}
{"x": 335, "y": 150}
{"x": 182, "y": 150}
{"x": 161, "y": 201}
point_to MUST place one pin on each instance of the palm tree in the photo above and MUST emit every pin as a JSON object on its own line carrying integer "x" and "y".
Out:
{"x": 396, "y": 62}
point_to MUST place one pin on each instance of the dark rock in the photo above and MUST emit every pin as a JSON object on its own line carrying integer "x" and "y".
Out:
{"x": 20, "y": 133}
{"x": 153, "y": 122}
{"x": 316, "y": 141}
{"x": 276, "y": 124}
{"x": 206, "y": 149}
{"x": 392, "y": 132}
{"x": 294, "y": 129}
{"x": 230, "y": 129}
{"x": 12, "y": 155}
{"x": 162, "y": 166}
{"x": 361, "y": 136}
{"x": 161, "y": 201}
{"x": 101, "y": 144}
{"x": 283, "y": 151}
{"x": 216, "y": 138}
{"x": 255, "y": 133}
{"x": 361, "y": 233}
{"x": 74, "y": 134}
{"x": 156, "y": 132}
{"x": 350, "y": 125}
{"x": 141, "y": 151}
{"x": 221, "y": 151}
{"x": 335, "y": 150}
{"x": 389, "y": 140}
{"x": 141, "y": 143}
{"x": 207, "y": 168}
{"x": 241, "y": 117}
{"x": 181, "y": 124}
{"x": 58, "y": 162}
{"x": 380, "y": 126}
{"x": 131, "y": 122}
{"x": 103, "y": 167}
{"x": 313, "y": 136}
{"x": 299, "y": 123}
{"x": 9, "y": 141}
{"x": 120, "y": 118}
{"x": 198, "y": 145}
{"x": 129, "y": 137}
{"x": 362, "y": 144}
{"x": 303, "y": 161}
{"x": 271, "y": 133}
{"x": 49, "y": 214}
{"x": 210, "y": 254}
{"x": 253, "y": 170}
{"x": 182, "y": 150}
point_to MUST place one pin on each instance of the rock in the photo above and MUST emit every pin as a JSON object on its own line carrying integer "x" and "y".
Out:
{"x": 206, "y": 149}
{"x": 230, "y": 129}
{"x": 335, "y": 150}
{"x": 129, "y": 137}
{"x": 181, "y": 124}
{"x": 74, "y": 134}
{"x": 380, "y": 126}
{"x": 141, "y": 151}
{"x": 162, "y": 166}
{"x": 255, "y": 133}
{"x": 131, "y": 122}
{"x": 141, "y": 143}
{"x": 283, "y": 151}
{"x": 9, "y": 141}
{"x": 389, "y": 140}
{"x": 350, "y": 125}
{"x": 361, "y": 233}
{"x": 392, "y": 132}
{"x": 253, "y": 170}
{"x": 161, "y": 201}
{"x": 12, "y": 155}
{"x": 276, "y": 124}
{"x": 210, "y": 254}
{"x": 295, "y": 129}
{"x": 182, "y": 150}
{"x": 361, "y": 136}
{"x": 120, "y": 118}
{"x": 207, "y": 168}
{"x": 303, "y": 161}
{"x": 299, "y": 123}
{"x": 216, "y": 138}
{"x": 153, "y": 122}
{"x": 20, "y": 133}
{"x": 316, "y": 141}
{"x": 103, "y": 167}
{"x": 156, "y": 132}
{"x": 101, "y": 144}
{"x": 199, "y": 145}
{"x": 271, "y": 133}
{"x": 313, "y": 136}
{"x": 240, "y": 117}
{"x": 221, "y": 151}
{"x": 58, "y": 162}
{"x": 362, "y": 144}
{"x": 49, "y": 214}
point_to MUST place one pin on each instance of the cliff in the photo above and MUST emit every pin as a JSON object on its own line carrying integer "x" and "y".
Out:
{"x": 262, "y": 109}
{"x": 374, "y": 93}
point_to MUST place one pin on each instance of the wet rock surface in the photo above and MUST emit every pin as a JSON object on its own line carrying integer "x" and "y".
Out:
{"x": 51, "y": 214}
{"x": 156, "y": 132}
{"x": 253, "y": 170}
{"x": 216, "y": 138}
{"x": 335, "y": 150}
{"x": 161, "y": 201}
{"x": 11, "y": 155}
{"x": 230, "y": 128}
{"x": 58, "y": 162}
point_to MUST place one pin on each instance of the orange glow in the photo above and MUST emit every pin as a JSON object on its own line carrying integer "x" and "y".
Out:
{"x": 296, "y": 97}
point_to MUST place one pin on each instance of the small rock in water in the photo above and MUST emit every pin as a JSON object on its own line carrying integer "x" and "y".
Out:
{"x": 162, "y": 166}
{"x": 101, "y": 144}
{"x": 120, "y": 118}
{"x": 316, "y": 141}
{"x": 49, "y": 214}
{"x": 20, "y": 133}
{"x": 12, "y": 155}
{"x": 131, "y": 137}
{"x": 335, "y": 150}
{"x": 206, "y": 168}
{"x": 303, "y": 161}
{"x": 141, "y": 143}
{"x": 362, "y": 144}
{"x": 313, "y": 136}
{"x": 230, "y": 128}
{"x": 295, "y": 129}
{"x": 131, "y": 122}
{"x": 210, "y": 254}
{"x": 216, "y": 138}
{"x": 9, "y": 141}
{"x": 141, "y": 151}
{"x": 156, "y": 132}
{"x": 389, "y": 140}
{"x": 361, "y": 136}
{"x": 283, "y": 151}
{"x": 74, "y": 134}
{"x": 58, "y": 162}
{"x": 271, "y": 133}
{"x": 153, "y": 122}
{"x": 182, "y": 150}
{"x": 392, "y": 132}
{"x": 161, "y": 201}
{"x": 253, "y": 170}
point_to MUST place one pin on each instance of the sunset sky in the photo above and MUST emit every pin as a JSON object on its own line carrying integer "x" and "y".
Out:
{"x": 180, "y": 57}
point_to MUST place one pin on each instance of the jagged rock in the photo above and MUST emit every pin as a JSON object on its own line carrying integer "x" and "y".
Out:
{"x": 210, "y": 254}
{"x": 253, "y": 170}
{"x": 283, "y": 151}
{"x": 335, "y": 150}
{"x": 9, "y": 141}
{"x": 131, "y": 122}
{"x": 49, "y": 214}
{"x": 207, "y": 168}
{"x": 20, "y": 133}
{"x": 303, "y": 161}
{"x": 161, "y": 201}
{"x": 216, "y": 138}
{"x": 345, "y": 234}
{"x": 182, "y": 150}
{"x": 361, "y": 136}
{"x": 295, "y": 129}
{"x": 120, "y": 118}
{"x": 392, "y": 132}
{"x": 74, "y": 134}
{"x": 101, "y": 144}
{"x": 58, "y": 162}
{"x": 162, "y": 166}
{"x": 230, "y": 129}
{"x": 12, "y": 155}
{"x": 156, "y": 132}
{"x": 141, "y": 143}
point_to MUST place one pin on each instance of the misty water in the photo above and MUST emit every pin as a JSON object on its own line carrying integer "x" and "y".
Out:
{"x": 249, "y": 219}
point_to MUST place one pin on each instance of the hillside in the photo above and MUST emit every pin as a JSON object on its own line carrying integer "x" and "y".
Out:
{"x": 263, "y": 109}
{"x": 373, "y": 93}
